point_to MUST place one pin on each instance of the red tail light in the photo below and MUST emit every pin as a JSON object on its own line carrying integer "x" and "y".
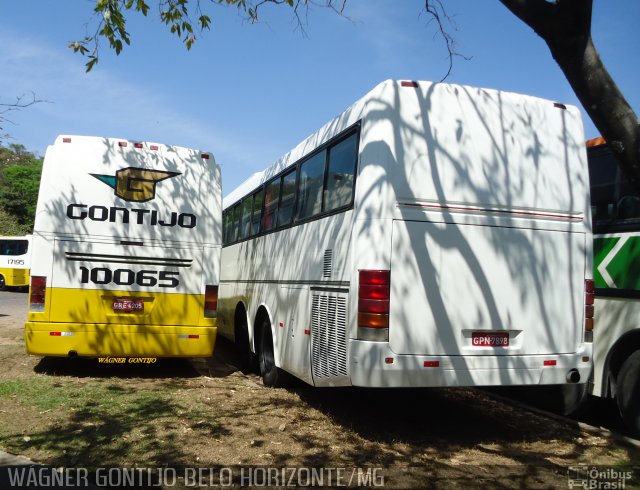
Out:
{"x": 37, "y": 293}
{"x": 374, "y": 292}
{"x": 210, "y": 301}
{"x": 589, "y": 299}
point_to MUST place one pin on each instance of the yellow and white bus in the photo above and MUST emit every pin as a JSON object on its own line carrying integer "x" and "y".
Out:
{"x": 429, "y": 235}
{"x": 126, "y": 250}
{"x": 15, "y": 261}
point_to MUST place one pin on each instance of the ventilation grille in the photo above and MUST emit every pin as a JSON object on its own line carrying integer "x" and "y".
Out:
{"x": 328, "y": 260}
{"x": 329, "y": 335}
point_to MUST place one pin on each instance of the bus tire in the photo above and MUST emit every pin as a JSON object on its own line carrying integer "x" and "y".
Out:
{"x": 248, "y": 361}
{"x": 272, "y": 375}
{"x": 628, "y": 392}
{"x": 3, "y": 283}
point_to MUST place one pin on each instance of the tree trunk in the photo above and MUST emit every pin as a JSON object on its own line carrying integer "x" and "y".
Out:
{"x": 566, "y": 28}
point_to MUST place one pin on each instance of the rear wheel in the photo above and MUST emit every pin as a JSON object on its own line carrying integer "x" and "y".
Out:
{"x": 3, "y": 283}
{"x": 248, "y": 362}
{"x": 272, "y": 375}
{"x": 628, "y": 392}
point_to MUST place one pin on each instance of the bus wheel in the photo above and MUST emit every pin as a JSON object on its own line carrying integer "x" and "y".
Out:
{"x": 247, "y": 358}
{"x": 628, "y": 392}
{"x": 3, "y": 283}
{"x": 272, "y": 375}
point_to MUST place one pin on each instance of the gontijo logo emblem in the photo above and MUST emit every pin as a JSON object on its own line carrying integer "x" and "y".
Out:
{"x": 135, "y": 184}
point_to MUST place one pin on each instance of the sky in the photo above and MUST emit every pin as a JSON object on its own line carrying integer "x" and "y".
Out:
{"x": 249, "y": 93}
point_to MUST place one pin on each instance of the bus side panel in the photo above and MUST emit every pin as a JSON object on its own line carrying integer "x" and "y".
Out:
{"x": 451, "y": 283}
{"x": 615, "y": 317}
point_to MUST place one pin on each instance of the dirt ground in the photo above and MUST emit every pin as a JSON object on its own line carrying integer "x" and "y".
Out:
{"x": 207, "y": 414}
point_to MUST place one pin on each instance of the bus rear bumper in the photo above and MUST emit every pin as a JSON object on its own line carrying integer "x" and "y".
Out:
{"x": 373, "y": 364}
{"x": 98, "y": 340}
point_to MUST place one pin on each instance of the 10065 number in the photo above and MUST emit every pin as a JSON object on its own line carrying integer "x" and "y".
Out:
{"x": 127, "y": 277}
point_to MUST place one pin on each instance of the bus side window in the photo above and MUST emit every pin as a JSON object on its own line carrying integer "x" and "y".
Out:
{"x": 257, "y": 213}
{"x": 226, "y": 223}
{"x": 245, "y": 223}
{"x": 235, "y": 227}
{"x": 310, "y": 186}
{"x": 342, "y": 160}
{"x": 271, "y": 205}
{"x": 287, "y": 198}
{"x": 603, "y": 171}
{"x": 628, "y": 205}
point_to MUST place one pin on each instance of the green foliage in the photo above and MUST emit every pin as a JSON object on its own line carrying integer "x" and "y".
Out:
{"x": 182, "y": 17}
{"x": 20, "y": 173}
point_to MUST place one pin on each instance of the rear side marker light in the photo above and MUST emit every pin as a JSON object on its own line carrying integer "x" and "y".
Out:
{"x": 431, "y": 364}
{"x": 153, "y": 147}
{"x": 66, "y": 140}
{"x": 409, "y": 83}
{"x": 205, "y": 156}
{"x": 550, "y": 362}
{"x": 137, "y": 145}
{"x": 122, "y": 144}
{"x": 388, "y": 360}
{"x": 586, "y": 359}
{"x": 61, "y": 334}
{"x": 210, "y": 301}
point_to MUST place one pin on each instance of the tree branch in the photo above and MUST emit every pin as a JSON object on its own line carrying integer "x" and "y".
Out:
{"x": 435, "y": 9}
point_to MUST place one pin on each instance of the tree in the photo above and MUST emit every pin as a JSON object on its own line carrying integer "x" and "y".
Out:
{"x": 565, "y": 25}
{"x": 5, "y": 108}
{"x": 19, "y": 183}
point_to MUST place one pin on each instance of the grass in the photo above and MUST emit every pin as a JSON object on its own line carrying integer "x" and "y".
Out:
{"x": 93, "y": 422}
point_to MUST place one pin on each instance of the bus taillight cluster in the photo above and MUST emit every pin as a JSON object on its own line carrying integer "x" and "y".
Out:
{"x": 210, "y": 301}
{"x": 589, "y": 295}
{"x": 38, "y": 293}
{"x": 374, "y": 291}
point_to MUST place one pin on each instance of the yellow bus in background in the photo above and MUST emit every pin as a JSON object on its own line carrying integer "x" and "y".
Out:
{"x": 15, "y": 261}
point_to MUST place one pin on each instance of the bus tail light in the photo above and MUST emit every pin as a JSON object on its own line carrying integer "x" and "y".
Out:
{"x": 210, "y": 301}
{"x": 37, "y": 293}
{"x": 374, "y": 292}
{"x": 589, "y": 300}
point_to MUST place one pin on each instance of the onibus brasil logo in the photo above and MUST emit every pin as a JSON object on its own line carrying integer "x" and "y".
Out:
{"x": 135, "y": 184}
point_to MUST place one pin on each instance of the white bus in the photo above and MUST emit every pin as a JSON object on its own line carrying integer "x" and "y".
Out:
{"x": 15, "y": 261}
{"x": 430, "y": 235}
{"x": 615, "y": 204}
{"x": 126, "y": 251}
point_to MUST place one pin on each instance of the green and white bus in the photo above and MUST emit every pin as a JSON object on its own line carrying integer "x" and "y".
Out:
{"x": 615, "y": 205}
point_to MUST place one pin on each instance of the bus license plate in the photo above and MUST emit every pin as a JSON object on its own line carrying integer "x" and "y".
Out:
{"x": 490, "y": 339}
{"x": 126, "y": 304}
